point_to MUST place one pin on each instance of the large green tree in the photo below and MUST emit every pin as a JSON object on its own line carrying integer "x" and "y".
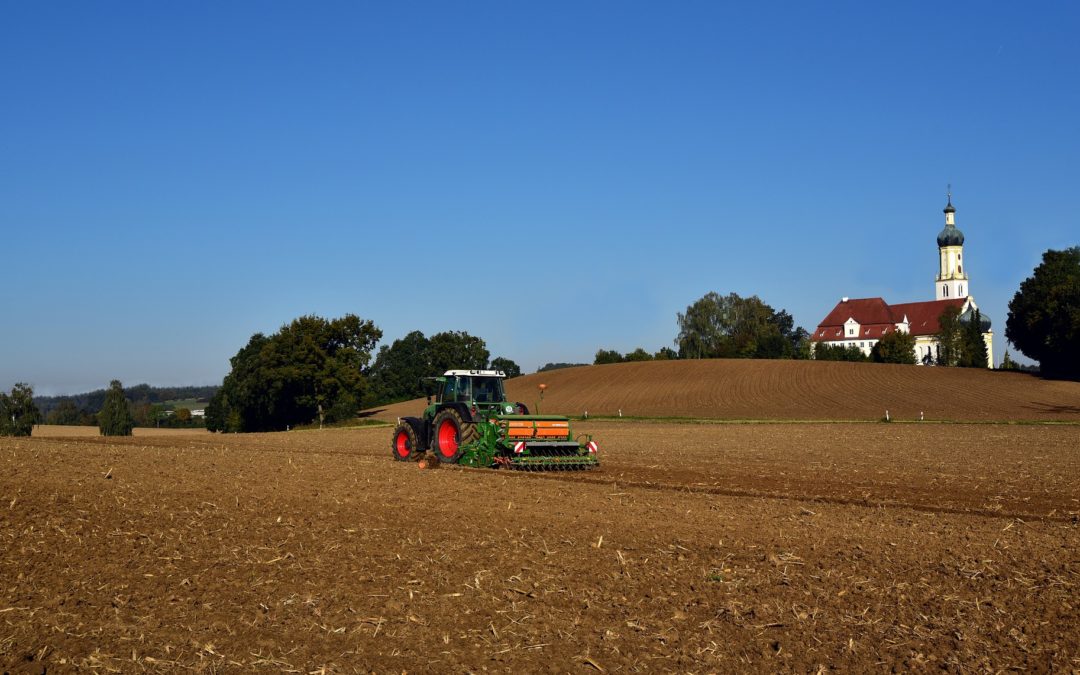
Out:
{"x": 730, "y": 326}
{"x": 507, "y": 366}
{"x": 400, "y": 366}
{"x": 312, "y": 370}
{"x": 894, "y": 347}
{"x": 398, "y": 369}
{"x": 114, "y": 418}
{"x": 607, "y": 356}
{"x": 18, "y": 412}
{"x": 457, "y": 349}
{"x": 972, "y": 344}
{"x": 950, "y": 337}
{"x": 1044, "y": 315}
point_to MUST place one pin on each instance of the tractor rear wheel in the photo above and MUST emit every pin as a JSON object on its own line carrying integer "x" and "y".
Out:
{"x": 449, "y": 432}
{"x": 404, "y": 442}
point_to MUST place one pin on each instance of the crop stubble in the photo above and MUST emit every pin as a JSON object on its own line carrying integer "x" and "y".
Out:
{"x": 694, "y": 547}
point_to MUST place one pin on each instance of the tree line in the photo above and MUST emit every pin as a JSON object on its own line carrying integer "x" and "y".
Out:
{"x": 81, "y": 409}
{"x": 19, "y": 413}
{"x": 316, "y": 370}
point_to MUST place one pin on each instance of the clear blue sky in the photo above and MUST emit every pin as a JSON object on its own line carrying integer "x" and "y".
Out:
{"x": 553, "y": 177}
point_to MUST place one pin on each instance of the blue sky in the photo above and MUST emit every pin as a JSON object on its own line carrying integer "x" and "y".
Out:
{"x": 553, "y": 177}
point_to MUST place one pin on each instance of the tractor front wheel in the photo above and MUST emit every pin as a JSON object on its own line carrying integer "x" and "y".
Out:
{"x": 404, "y": 442}
{"x": 449, "y": 433}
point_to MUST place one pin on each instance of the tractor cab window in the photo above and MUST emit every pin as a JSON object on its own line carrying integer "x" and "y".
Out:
{"x": 448, "y": 390}
{"x": 464, "y": 390}
{"x": 488, "y": 390}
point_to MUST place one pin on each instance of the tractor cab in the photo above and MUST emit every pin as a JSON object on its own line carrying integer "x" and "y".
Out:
{"x": 473, "y": 392}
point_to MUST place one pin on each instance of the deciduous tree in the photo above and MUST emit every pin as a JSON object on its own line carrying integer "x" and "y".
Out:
{"x": 894, "y": 347}
{"x": 607, "y": 356}
{"x": 507, "y": 366}
{"x": 310, "y": 370}
{"x": 1044, "y": 315}
{"x": 731, "y": 326}
{"x": 949, "y": 337}
{"x": 18, "y": 412}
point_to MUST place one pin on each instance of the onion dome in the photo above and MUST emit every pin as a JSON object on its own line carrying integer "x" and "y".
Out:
{"x": 984, "y": 322}
{"x": 950, "y": 236}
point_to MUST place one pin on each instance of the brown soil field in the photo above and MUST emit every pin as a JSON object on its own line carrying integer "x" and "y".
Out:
{"x": 763, "y": 547}
{"x": 60, "y": 431}
{"x": 802, "y": 390}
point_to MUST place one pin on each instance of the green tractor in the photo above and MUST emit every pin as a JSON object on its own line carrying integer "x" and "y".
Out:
{"x": 470, "y": 422}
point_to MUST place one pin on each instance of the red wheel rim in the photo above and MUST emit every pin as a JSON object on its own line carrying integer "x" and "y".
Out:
{"x": 448, "y": 442}
{"x": 401, "y": 444}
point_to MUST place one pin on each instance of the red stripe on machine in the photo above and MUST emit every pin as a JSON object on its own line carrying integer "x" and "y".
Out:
{"x": 519, "y": 447}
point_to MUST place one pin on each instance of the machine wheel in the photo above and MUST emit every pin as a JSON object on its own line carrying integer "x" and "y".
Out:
{"x": 448, "y": 433}
{"x": 404, "y": 443}
{"x": 522, "y": 409}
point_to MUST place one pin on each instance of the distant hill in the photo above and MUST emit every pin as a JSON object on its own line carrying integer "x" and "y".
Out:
{"x": 140, "y": 393}
{"x": 789, "y": 390}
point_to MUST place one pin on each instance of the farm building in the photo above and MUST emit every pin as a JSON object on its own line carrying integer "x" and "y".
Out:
{"x": 861, "y": 322}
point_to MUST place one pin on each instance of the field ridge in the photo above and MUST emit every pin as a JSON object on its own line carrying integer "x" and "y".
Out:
{"x": 741, "y": 389}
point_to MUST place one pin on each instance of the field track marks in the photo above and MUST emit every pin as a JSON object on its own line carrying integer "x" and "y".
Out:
{"x": 595, "y": 478}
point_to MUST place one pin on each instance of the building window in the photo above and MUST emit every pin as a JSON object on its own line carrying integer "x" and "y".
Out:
{"x": 945, "y": 290}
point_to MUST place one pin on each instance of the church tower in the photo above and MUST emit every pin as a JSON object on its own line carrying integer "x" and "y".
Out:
{"x": 951, "y": 281}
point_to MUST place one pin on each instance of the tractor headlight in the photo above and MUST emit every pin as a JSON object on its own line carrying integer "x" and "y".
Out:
{"x": 509, "y": 409}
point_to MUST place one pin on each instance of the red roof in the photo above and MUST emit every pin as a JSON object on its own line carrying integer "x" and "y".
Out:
{"x": 923, "y": 316}
{"x": 876, "y": 317}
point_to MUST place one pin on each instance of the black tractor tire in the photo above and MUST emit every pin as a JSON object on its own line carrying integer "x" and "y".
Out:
{"x": 448, "y": 433}
{"x": 404, "y": 444}
{"x": 521, "y": 409}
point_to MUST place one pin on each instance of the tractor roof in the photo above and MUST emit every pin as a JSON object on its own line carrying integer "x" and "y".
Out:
{"x": 479, "y": 373}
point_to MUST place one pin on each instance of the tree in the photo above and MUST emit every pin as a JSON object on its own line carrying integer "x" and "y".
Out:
{"x": 18, "y": 412}
{"x": 457, "y": 349}
{"x": 310, "y": 370}
{"x": 894, "y": 347}
{"x": 114, "y": 418}
{"x": 558, "y": 366}
{"x": 1007, "y": 363}
{"x": 396, "y": 373}
{"x": 823, "y": 351}
{"x": 65, "y": 413}
{"x": 666, "y": 354}
{"x": 182, "y": 415}
{"x": 949, "y": 337}
{"x": 1044, "y": 315}
{"x": 731, "y": 326}
{"x": 507, "y": 366}
{"x": 607, "y": 356}
{"x": 638, "y": 354}
{"x": 972, "y": 345}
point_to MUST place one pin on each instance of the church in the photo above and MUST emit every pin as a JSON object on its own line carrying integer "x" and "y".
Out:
{"x": 861, "y": 322}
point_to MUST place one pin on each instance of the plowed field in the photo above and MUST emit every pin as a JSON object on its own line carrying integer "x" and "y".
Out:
{"x": 695, "y": 547}
{"x": 784, "y": 390}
